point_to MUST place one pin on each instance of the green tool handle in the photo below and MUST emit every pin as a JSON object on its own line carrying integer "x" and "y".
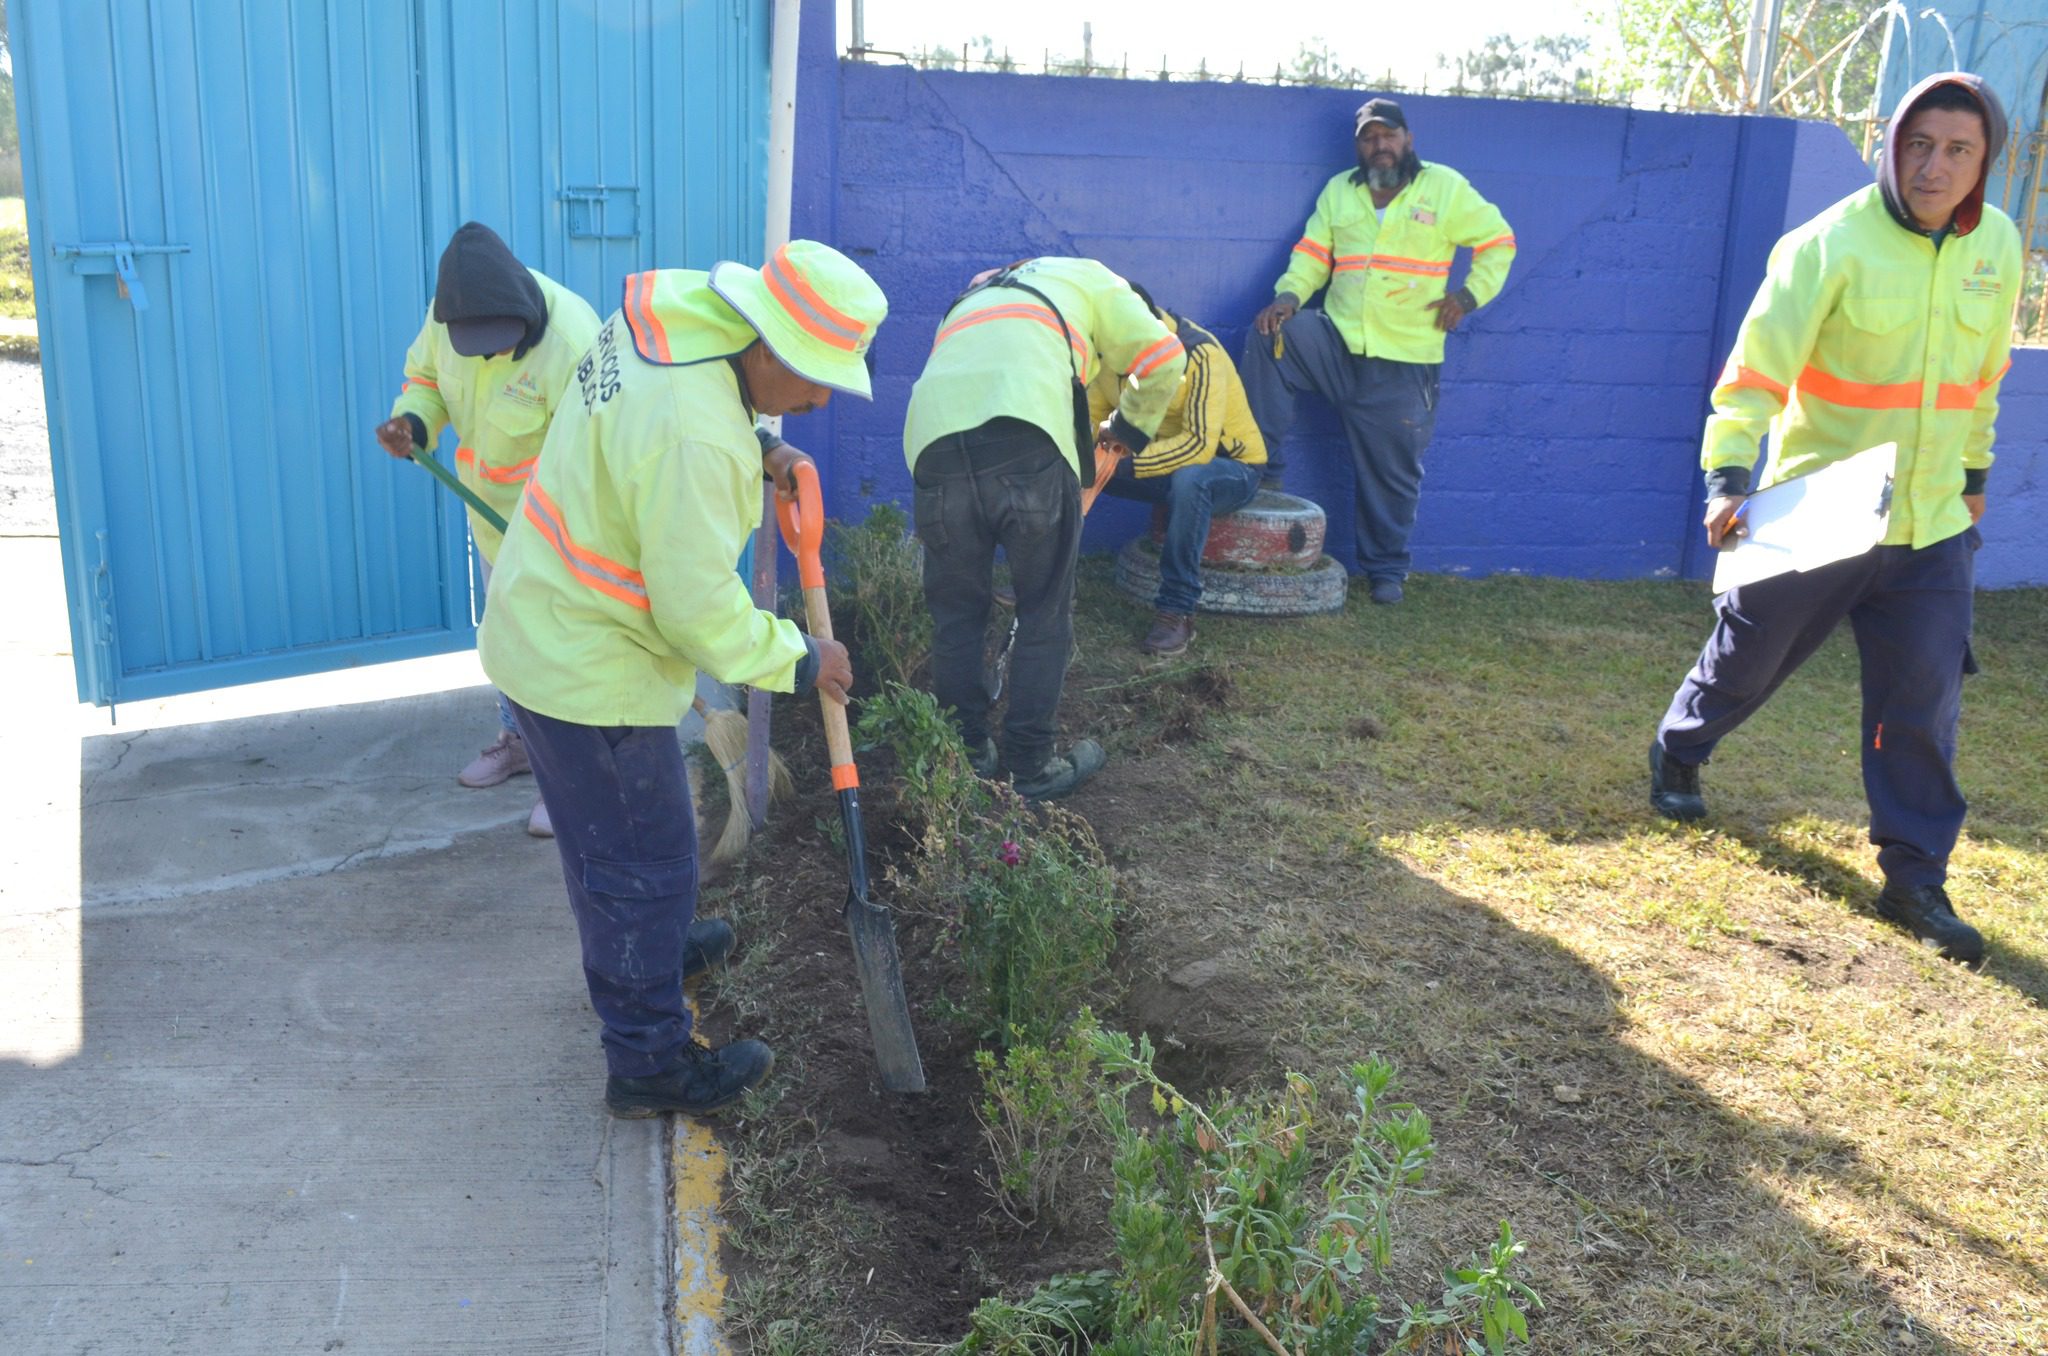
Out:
{"x": 462, "y": 491}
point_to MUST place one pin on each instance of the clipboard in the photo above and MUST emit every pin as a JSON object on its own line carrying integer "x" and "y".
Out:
{"x": 1839, "y": 511}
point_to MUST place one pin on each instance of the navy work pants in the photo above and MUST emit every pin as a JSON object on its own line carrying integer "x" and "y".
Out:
{"x": 1193, "y": 495}
{"x": 1388, "y": 410}
{"x": 1003, "y": 484}
{"x": 619, "y": 798}
{"x": 1910, "y": 611}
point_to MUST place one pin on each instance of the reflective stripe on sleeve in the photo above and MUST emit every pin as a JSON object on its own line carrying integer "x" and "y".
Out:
{"x": 606, "y": 576}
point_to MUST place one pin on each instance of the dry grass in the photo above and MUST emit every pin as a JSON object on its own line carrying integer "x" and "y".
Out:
{"x": 1731, "y": 1109}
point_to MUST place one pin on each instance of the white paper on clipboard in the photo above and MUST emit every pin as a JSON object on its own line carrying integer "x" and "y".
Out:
{"x": 1837, "y": 512}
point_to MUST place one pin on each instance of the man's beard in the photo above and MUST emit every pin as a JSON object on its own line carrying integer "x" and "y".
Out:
{"x": 1384, "y": 179}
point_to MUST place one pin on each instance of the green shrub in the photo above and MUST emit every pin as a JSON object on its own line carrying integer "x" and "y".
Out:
{"x": 1030, "y": 898}
{"x": 875, "y": 572}
{"x": 1236, "y": 1234}
{"x": 1037, "y": 1111}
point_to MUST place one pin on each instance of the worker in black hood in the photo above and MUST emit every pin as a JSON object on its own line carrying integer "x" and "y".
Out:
{"x": 494, "y": 357}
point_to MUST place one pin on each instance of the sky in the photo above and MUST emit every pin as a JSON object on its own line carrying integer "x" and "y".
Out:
{"x": 1405, "y": 38}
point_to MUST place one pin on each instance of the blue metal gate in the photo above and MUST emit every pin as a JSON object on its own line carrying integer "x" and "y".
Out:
{"x": 236, "y": 207}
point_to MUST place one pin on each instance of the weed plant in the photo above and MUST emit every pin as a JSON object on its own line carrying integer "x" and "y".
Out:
{"x": 1234, "y": 1234}
{"x": 1030, "y": 899}
{"x": 876, "y": 573}
{"x": 1037, "y": 1112}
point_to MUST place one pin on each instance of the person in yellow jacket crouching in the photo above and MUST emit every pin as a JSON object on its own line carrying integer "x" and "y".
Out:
{"x": 616, "y": 584}
{"x": 1885, "y": 319}
{"x": 493, "y": 358}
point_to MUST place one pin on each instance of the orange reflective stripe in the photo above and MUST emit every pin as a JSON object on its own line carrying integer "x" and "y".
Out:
{"x": 1157, "y": 356}
{"x": 1353, "y": 261}
{"x": 648, "y": 332}
{"x": 1860, "y": 395}
{"x": 417, "y": 381}
{"x": 1391, "y": 263}
{"x": 1737, "y": 376}
{"x": 1507, "y": 240}
{"x": 807, "y": 308}
{"x": 1965, "y": 395}
{"x": 1312, "y": 250}
{"x": 1017, "y": 312}
{"x": 465, "y": 456}
{"x": 606, "y": 576}
{"x": 845, "y": 777}
{"x": 508, "y": 475}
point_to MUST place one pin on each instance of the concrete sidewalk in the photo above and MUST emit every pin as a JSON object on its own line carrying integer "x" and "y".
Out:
{"x": 295, "y": 1053}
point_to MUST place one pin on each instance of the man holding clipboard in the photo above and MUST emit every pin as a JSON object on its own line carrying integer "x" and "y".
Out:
{"x": 1885, "y": 319}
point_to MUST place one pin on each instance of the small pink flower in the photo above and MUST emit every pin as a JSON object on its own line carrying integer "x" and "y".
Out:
{"x": 1011, "y": 854}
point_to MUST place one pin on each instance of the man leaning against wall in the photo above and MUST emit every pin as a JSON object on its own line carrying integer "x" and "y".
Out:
{"x": 1382, "y": 239}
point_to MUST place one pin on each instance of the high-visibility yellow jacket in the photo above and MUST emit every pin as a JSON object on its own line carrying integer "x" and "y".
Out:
{"x": 500, "y": 408}
{"x": 1864, "y": 333}
{"x": 1383, "y": 274}
{"x": 1001, "y": 353}
{"x": 1209, "y": 416}
{"x": 616, "y": 582}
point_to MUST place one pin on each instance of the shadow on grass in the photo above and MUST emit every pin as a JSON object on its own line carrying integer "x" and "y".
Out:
{"x": 1661, "y": 1218}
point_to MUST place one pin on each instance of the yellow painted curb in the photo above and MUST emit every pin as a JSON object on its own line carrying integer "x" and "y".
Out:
{"x": 697, "y": 1169}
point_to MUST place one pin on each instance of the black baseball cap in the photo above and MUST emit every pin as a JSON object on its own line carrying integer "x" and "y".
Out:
{"x": 1379, "y": 110}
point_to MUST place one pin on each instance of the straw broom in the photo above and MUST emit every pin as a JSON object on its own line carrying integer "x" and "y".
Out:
{"x": 725, "y": 734}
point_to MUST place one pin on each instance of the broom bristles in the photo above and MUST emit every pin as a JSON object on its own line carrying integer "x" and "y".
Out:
{"x": 725, "y": 735}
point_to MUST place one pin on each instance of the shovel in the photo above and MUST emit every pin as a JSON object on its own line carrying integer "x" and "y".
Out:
{"x": 462, "y": 491}
{"x": 871, "y": 925}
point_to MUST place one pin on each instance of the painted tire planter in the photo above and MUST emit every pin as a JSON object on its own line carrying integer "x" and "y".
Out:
{"x": 1285, "y": 592}
{"x": 1273, "y": 529}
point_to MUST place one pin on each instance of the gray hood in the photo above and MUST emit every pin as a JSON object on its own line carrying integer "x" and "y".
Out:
{"x": 1971, "y": 210}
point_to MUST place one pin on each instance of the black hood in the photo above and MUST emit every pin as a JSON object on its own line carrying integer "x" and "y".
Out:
{"x": 481, "y": 279}
{"x": 1971, "y": 210}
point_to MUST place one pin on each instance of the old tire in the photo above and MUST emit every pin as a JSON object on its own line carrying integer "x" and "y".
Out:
{"x": 1273, "y": 529}
{"x": 1285, "y": 592}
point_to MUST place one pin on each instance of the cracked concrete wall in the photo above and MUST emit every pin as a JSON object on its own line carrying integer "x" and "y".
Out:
{"x": 1569, "y": 428}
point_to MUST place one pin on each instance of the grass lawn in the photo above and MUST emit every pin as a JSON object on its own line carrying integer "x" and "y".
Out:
{"x": 17, "y": 293}
{"x": 1729, "y": 1109}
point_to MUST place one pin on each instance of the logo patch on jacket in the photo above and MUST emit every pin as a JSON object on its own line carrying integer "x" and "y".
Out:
{"x": 1983, "y": 280}
{"x": 525, "y": 389}
{"x": 1424, "y": 215}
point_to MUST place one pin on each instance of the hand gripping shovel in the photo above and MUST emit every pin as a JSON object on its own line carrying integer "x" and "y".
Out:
{"x": 872, "y": 926}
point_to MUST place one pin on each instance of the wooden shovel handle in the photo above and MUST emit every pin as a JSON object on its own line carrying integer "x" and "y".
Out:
{"x": 803, "y": 531}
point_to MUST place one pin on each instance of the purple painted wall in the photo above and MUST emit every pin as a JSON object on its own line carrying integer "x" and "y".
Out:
{"x": 1568, "y": 433}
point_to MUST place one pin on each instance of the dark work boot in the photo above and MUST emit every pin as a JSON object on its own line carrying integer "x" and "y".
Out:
{"x": 1171, "y": 634}
{"x": 706, "y": 1081}
{"x": 1675, "y": 787}
{"x": 709, "y": 943}
{"x": 984, "y": 760}
{"x": 1924, "y": 911}
{"x": 1063, "y": 772}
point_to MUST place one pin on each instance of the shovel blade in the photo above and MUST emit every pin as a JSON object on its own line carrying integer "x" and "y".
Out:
{"x": 880, "y": 967}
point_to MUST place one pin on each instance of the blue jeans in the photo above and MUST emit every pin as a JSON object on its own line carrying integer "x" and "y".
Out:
{"x": 620, "y": 801}
{"x": 1388, "y": 410}
{"x": 1193, "y": 495}
{"x": 1910, "y": 611}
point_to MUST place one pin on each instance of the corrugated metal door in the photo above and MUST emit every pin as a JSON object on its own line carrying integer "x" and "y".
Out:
{"x": 236, "y": 207}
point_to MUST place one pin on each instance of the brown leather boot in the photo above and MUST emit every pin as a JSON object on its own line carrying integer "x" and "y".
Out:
{"x": 1170, "y": 633}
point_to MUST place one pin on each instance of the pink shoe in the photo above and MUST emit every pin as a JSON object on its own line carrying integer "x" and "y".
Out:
{"x": 538, "y": 824}
{"x": 501, "y": 762}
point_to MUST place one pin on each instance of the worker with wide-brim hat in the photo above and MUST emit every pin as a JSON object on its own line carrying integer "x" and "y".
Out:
{"x": 616, "y": 584}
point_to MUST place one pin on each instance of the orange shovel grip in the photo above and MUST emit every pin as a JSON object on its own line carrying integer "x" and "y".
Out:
{"x": 803, "y": 524}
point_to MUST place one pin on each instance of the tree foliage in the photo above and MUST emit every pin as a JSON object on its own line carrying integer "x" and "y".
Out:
{"x": 1556, "y": 66}
{"x": 1690, "y": 54}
